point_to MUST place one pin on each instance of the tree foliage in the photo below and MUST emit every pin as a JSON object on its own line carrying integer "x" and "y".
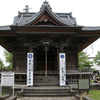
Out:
{"x": 1, "y": 62}
{"x": 84, "y": 60}
{"x": 9, "y": 58}
{"x": 97, "y": 59}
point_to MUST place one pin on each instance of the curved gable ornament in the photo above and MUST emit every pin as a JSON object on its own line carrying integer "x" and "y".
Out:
{"x": 45, "y": 17}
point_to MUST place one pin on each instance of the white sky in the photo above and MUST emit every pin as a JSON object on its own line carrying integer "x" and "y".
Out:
{"x": 86, "y": 12}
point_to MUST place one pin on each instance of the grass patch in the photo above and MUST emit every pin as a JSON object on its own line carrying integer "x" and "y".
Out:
{"x": 94, "y": 94}
{"x": 2, "y": 94}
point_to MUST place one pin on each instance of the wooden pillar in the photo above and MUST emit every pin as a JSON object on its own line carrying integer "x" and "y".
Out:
{"x": 77, "y": 59}
{"x": 61, "y": 48}
{"x": 46, "y": 61}
{"x": 35, "y": 63}
{"x": 30, "y": 48}
{"x": 58, "y": 59}
{"x": 14, "y": 61}
{"x": 80, "y": 75}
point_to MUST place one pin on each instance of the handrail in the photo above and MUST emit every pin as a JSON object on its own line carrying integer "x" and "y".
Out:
{"x": 71, "y": 70}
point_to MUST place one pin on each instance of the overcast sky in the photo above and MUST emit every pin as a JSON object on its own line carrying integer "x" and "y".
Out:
{"x": 86, "y": 12}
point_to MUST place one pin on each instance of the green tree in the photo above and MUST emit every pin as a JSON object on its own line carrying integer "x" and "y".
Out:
{"x": 1, "y": 62}
{"x": 84, "y": 60}
{"x": 97, "y": 59}
{"x": 9, "y": 59}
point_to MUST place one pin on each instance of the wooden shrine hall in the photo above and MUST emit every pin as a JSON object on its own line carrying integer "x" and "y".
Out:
{"x": 46, "y": 34}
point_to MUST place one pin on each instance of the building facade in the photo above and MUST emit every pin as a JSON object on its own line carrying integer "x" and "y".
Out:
{"x": 46, "y": 34}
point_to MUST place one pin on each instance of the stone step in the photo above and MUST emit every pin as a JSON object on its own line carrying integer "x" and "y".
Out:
{"x": 47, "y": 87}
{"x": 47, "y": 95}
{"x": 31, "y": 90}
{"x": 47, "y": 92}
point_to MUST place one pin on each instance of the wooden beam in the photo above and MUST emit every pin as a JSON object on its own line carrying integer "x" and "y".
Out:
{"x": 2, "y": 43}
{"x": 91, "y": 40}
{"x": 38, "y": 29}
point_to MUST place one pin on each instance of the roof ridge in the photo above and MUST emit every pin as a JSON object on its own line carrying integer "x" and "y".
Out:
{"x": 21, "y": 20}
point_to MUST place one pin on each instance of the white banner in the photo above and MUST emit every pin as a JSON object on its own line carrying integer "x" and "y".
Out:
{"x": 30, "y": 69}
{"x": 62, "y": 69}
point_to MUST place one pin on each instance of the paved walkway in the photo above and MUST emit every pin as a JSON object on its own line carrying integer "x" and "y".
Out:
{"x": 46, "y": 98}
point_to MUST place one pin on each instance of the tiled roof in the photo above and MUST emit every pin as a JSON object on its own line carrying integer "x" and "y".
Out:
{"x": 25, "y": 18}
{"x": 90, "y": 28}
{"x": 66, "y": 19}
{"x": 5, "y": 28}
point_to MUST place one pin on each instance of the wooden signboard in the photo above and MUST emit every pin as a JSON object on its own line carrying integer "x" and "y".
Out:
{"x": 84, "y": 84}
{"x": 7, "y": 79}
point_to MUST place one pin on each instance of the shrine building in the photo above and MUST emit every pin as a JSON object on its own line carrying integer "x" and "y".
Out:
{"x": 46, "y": 34}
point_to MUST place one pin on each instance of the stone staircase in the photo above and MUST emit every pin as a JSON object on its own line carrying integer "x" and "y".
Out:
{"x": 47, "y": 91}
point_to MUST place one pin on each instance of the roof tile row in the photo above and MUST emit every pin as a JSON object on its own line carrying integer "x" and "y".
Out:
{"x": 67, "y": 19}
{"x": 5, "y": 28}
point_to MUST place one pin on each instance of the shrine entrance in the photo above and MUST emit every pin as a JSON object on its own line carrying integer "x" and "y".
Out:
{"x": 46, "y": 70}
{"x": 41, "y": 58}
